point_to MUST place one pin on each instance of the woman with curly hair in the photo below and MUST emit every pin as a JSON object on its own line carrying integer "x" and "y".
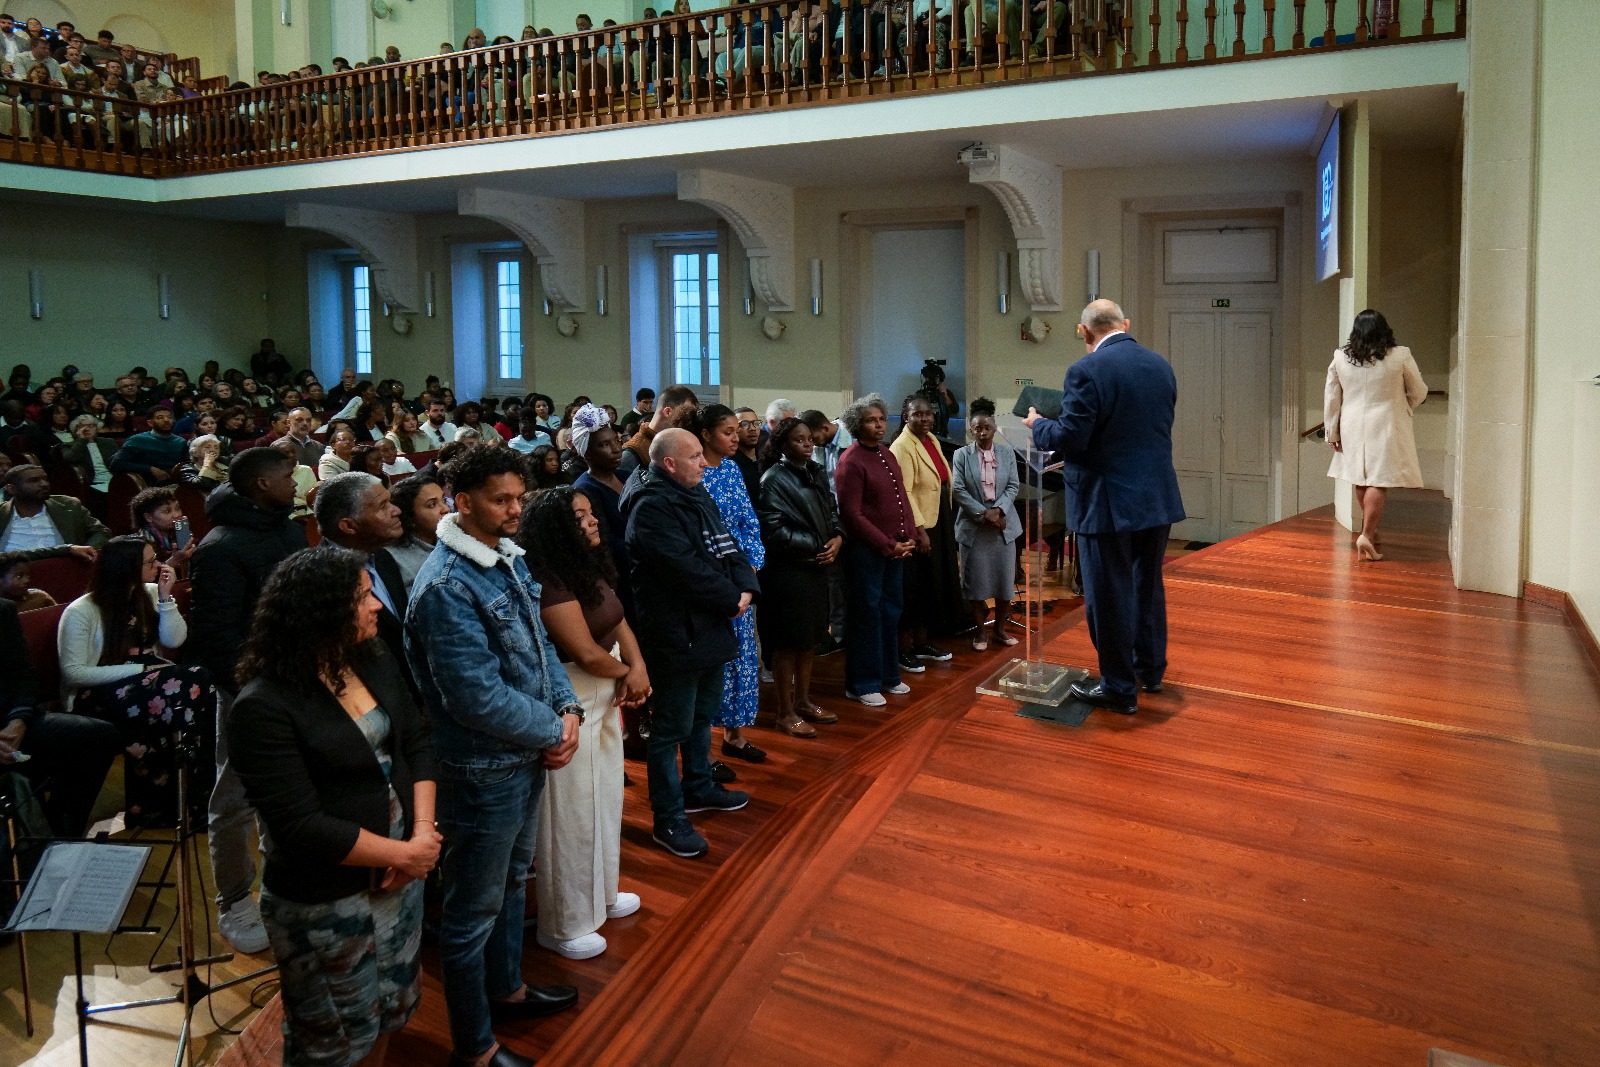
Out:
{"x": 544, "y": 468}
{"x": 112, "y": 668}
{"x": 882, "y": 534}
{"x": 422, "y": 504}
{"x": 580, "y": 813}
{"x": 338, "y": 763}
{"x": 1373, "y": 387}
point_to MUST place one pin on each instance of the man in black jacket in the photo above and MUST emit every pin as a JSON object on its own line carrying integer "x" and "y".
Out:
{"x": 690, "y": 581}
{"x": 70, "y": 752}
{"x": 354, "y": 511}
{"x": 251, "y": 533}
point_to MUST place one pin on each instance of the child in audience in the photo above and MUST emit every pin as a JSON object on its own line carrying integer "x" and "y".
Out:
{"x": 16, "y": 577}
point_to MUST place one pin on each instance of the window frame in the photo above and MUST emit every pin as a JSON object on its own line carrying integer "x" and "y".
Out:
{"x": 708, "y": 381}
{"x": 489, "y": 260}
{"x": 352, "y": 356}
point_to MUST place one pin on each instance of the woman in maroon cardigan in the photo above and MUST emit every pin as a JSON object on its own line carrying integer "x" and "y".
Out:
{"x": 877, "y": 520}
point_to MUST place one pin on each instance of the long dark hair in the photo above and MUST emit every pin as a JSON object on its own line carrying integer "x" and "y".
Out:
{"x": 404, "y": 497}
{"x": 551, "y": 535}
{"x": 709, "y": 418}
{"x": 772, "y": 454}
{"x": 303, "y": 632}
{"x": 1370, "y": 338}
{"x": 534, "y": 464}
{"x": 126, "y": 614}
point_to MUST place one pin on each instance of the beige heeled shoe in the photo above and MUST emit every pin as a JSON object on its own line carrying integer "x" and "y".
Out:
{"x": 1366, "y": 549}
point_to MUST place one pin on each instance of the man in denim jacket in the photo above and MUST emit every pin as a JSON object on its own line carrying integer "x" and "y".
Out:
{"x": 503, "y": 711}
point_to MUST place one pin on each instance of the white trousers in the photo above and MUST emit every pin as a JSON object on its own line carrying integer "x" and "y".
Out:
{"x": 580, "y": 818}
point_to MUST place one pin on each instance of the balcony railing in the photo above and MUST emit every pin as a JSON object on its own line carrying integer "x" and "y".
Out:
{"x": 750, "y": 57}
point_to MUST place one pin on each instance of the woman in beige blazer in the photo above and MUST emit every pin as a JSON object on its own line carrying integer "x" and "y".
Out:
{"x": 932, "y": 581}
{"x": 1373, "y": 386}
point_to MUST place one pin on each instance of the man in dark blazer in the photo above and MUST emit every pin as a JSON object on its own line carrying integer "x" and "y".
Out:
{"x": 1114, "y": 437}
{"x": 355, "y": 512}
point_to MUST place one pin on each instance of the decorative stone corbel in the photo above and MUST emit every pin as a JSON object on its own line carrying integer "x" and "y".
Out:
{"x": 551, "y": 228}
{"x": 1030, "y": 191}
{"x": 762, "y": 215}
{"x": 387, "y": 240}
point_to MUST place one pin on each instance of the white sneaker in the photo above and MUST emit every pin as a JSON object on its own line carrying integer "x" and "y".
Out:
{"x": 871, "y": 700}
{"x": 579, "y": 948}
{"x": 627, "y": 904}
{"x": 900, "y": 690}
{"x": 240, "y": 926}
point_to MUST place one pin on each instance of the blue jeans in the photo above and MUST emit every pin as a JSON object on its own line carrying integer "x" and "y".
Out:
{"x": 684, "y": 706}
{"x": 489, "y": 819}
{"x": 873, "y": 598}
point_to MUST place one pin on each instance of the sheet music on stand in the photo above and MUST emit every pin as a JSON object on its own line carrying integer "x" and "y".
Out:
{"x": 80, "y": 887}
{"x": 1030, "y": 679}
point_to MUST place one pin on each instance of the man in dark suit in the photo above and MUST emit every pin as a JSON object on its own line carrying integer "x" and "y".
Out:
{"x": 1114, "y": 436}
{"x": 355, "y": 512}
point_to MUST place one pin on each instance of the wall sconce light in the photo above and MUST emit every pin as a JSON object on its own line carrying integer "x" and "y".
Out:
{"x": 1094, "y": 274}
{"x": 547, "y": 308}
{"x": 283, "y": 12}
{"x": 163, "y": 296}
{"x": 1002, "y": 280}
{"x": 816, "y": 287}
{"x": 427, "y": 294}
{"x": 600, "y": 289}
{"x": 749, "y": 294}
{"x": 35, "y": 294}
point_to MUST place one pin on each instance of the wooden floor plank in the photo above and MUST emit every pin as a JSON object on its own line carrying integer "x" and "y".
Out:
{"x": 1362, "y": 822}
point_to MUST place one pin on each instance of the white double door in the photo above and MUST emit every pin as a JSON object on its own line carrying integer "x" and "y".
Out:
{"x": 1222, "y": 433}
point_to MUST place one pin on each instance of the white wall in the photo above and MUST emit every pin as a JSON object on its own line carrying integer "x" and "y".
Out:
{"x": 1563, "y": 524}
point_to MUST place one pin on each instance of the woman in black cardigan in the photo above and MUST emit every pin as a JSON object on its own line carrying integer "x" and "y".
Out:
{"x": 800, "y": 529}
{"x": 337, "y": 760}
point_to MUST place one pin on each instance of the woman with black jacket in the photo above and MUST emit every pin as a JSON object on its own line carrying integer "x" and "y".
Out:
{"x": 800, "y": 528}
{"x": 337, "y": 760}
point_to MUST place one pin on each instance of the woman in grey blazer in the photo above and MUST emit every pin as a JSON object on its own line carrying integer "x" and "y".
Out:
{"x": 984, "y": 484}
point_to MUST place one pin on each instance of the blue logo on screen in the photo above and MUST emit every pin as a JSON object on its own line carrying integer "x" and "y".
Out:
{"x": 1327, "y": 191}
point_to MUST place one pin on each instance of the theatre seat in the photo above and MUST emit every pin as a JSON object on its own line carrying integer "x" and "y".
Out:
{"x": 64, "y": 577}
{"x": 39, "y": 633}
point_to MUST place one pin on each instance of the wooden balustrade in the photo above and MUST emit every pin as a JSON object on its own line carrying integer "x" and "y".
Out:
{"x": 777, "y": 54}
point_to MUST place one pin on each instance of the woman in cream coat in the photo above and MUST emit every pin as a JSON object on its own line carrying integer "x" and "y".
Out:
{"x": 1373, "y": 386}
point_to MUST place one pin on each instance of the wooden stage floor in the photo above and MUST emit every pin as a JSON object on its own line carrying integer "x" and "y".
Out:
{"x": 1362, "y": 822}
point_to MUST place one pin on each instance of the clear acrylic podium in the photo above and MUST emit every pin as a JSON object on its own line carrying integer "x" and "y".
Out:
{"x": 1031, "y": 679}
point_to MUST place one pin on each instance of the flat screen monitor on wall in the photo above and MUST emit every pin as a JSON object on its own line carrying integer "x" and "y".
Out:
{"x": 1328, "y": 203}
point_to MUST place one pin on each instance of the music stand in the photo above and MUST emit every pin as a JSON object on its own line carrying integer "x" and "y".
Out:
{"x": 80, "y": 887}
{"x": 1031, "y": 679}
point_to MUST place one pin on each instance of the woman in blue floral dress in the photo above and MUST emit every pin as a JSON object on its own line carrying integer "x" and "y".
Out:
{"x": 741, "y": 680}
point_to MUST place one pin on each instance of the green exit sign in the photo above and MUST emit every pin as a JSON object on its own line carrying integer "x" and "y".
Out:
{"x": 1222, "y": 303}
{"x": 1024, "y": 381}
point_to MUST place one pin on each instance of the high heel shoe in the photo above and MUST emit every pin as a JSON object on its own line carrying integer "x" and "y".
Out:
{"x": 1366, "y": 549}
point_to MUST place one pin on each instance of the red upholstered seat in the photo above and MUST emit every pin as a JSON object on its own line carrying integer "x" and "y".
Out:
{"x": 39, "y": 633}
{"x": 64, "y": 577}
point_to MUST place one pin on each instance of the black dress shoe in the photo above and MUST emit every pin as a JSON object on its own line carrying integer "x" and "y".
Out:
{"x": 745, "y": 751}
{"x": 1150, "y": 687}
{"x": 1097, "y": 695}
{"x": 503, "y": 1057}
{"x": 539, "y": 1000}
{"x": 722, "y": 773}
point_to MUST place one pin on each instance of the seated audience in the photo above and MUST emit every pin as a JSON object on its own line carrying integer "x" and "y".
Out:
{"x": 90, "y": 454}
{"x": 544, "y": 467}
{"x": 336, "y": 460}
{"x": 72, "y": 753}
{"x": 155, "y": 452}
{"x": 308, "y": 450}
{"x": 644, "y": 404}
{"x": 158, "y": 518}
{"x": 40, "y": 525}
{"x": 305, "y": 479}
{"x": 987, "y": 527}
{"x": 436, "y": 428}
{"x": 801, "y": 531}
{"x": 206, "y": 469}
{"x": 469, "y": 416}
{"x": 395, "y": 466}
{"x": 408, "y": 437}
{"x": 16, "y": 583}
{"x": 367, "y": 458}
{"x": 277, "y": 429}
{"x": 422, "y": 504}
{"x": 113, "y": 668}
{"x": 580, "y": 813}
{"x": 335, "y": 757}
{"x": 530, "y": 433}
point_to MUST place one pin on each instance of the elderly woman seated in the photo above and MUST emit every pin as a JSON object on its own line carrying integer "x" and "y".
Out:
{"x": 206, "y": 468}
{"x": 88, "y": 453}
